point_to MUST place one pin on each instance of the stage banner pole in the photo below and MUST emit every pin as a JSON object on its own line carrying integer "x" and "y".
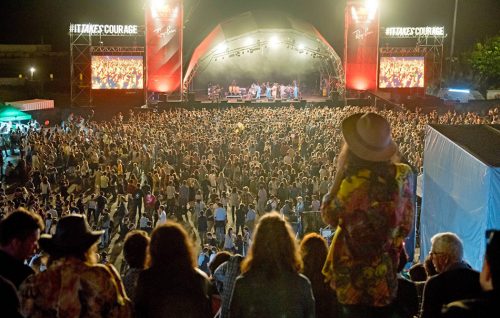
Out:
{"x": 361, "y": 43}
{"x": 164, "y": 25}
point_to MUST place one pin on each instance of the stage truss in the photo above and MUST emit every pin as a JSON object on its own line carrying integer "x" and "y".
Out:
{"x": 81, "y": 50}
{"x": 330, "y": 68}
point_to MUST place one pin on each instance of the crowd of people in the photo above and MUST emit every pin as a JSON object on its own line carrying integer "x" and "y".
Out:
{"x": 155, "y": 182}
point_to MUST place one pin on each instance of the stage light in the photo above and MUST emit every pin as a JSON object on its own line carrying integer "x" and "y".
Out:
{"x": 274, "y": 41}
{"x": 221, "y": 48}
{"x": 301, "y": 46}
{"x": 354, "y": 14}
{"x": 371, "y": 7}
{"x": 32, "y": 71}
{"x": 248, "y": 41}
{"x": 456, "y": 90}
{"x": 158, "y": 4}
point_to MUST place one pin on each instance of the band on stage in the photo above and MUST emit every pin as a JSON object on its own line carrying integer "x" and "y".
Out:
{"x": 256, "y": 91}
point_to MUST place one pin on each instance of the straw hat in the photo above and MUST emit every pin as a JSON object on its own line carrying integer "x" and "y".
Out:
{"x": 368, "y": 136}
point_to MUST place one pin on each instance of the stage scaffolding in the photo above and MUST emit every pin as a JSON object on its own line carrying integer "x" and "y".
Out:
{"x": 82, "y": 47}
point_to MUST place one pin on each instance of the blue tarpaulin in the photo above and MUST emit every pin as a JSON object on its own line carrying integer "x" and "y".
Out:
{"x": 461, "y": 186}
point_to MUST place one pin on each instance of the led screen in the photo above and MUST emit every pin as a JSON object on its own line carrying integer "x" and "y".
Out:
{"x": 117, "y": 72}
{"x": 401, "y": 72}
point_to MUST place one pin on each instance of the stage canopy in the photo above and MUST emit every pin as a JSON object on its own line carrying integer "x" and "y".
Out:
{"x": 10, "y": 113}
{"x": 262, "y": 46}
{"x": 461, "y": 186}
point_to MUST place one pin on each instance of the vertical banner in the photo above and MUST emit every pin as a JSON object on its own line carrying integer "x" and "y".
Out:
{"x": 164, "y": 20}
{"x": 361, "y": 44}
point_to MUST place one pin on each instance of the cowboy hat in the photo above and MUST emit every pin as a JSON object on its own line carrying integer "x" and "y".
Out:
{"x": 73, "y": 233}
{"x": 368, "y": 136}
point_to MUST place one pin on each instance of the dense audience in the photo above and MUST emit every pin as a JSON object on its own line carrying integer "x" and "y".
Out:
{"x": 97, "y": 187}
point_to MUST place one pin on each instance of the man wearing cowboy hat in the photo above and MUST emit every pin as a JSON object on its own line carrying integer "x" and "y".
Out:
{"x": 74, "y": 285}
{"x": 371, "y": 203}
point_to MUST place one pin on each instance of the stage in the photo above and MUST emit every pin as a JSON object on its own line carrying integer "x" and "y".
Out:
{"x": 262, "y": 100}
{"x": 309, "y": 101}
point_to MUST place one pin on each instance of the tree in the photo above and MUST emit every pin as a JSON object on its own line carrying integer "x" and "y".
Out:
{"x": 485, "y": 62}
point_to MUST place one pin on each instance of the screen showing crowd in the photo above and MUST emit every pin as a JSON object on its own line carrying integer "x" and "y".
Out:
{"x": 401, "y": 72}
{"x": 117, "y": 72}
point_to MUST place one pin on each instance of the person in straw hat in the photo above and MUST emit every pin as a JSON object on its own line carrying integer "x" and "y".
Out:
{"x": 371, "y": 203}
{"x": 74, "y": 285}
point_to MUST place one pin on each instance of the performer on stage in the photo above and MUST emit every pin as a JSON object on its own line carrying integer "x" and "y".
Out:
{"x": 295, "y": 90}
{"x": 282, "y": 91}
{"x": 232, "y": 88}
{"x": 268, "y": 90}
{"x": 252, "y": 91}
{"x": 274, "y": 90}
{"x": 257, "y": 96}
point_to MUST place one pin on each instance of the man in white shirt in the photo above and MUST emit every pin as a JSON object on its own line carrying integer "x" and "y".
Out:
{"x": 250, "y": 217}
{"x": 170, "y": 193}
{"x": 162, "y": 216}
{"x": 104, "y": 185}
{"x": 143, "y": 222}
{"x": 220, "y": 217}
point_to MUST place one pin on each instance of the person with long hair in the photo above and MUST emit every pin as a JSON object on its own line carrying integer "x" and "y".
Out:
{"x": 371, "y": 205}
{"x": 270, "y": 284}
{"x": 314, "y": 250}
{"x": 172, "y": 286}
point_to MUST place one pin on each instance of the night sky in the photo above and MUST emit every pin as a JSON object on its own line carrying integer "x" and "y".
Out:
{"x": 34, "y": 21}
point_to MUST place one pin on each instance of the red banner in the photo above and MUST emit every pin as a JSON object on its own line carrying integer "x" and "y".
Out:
{"x": 361, "y": 46}
{"x": 164, "y": 46}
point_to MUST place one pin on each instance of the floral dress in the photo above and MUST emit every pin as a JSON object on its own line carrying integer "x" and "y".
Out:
{"x": 372, "y": 222}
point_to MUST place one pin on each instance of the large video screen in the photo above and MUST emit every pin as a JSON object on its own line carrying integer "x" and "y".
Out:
{"x": 401, "y": 72}
{"x": 117, "y": 72}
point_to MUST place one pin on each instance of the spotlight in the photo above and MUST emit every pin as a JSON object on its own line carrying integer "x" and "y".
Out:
{"x": 32, "y": 71}
{"x": 248, "y": 41}
{"x": 274, "y": 41}
{"x": 371, "y": 7}
{"x": 222, "y": 47}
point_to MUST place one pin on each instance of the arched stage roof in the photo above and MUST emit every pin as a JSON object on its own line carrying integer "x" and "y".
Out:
{"x": 257, "y": 31}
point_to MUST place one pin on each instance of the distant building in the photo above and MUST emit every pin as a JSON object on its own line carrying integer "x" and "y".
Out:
{"x": 17, "y": 60}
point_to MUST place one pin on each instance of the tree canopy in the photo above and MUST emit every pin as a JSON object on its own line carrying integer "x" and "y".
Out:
{"x": 485, "y": 61}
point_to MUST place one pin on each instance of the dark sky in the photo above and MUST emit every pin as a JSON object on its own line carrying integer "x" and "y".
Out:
{"x": 30, "y": 21}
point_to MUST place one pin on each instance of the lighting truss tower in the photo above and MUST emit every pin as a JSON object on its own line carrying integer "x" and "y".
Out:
{"x": 80, "y": 59}
{"x": 81, "y": 49}
{"x": 433, "y": 48}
